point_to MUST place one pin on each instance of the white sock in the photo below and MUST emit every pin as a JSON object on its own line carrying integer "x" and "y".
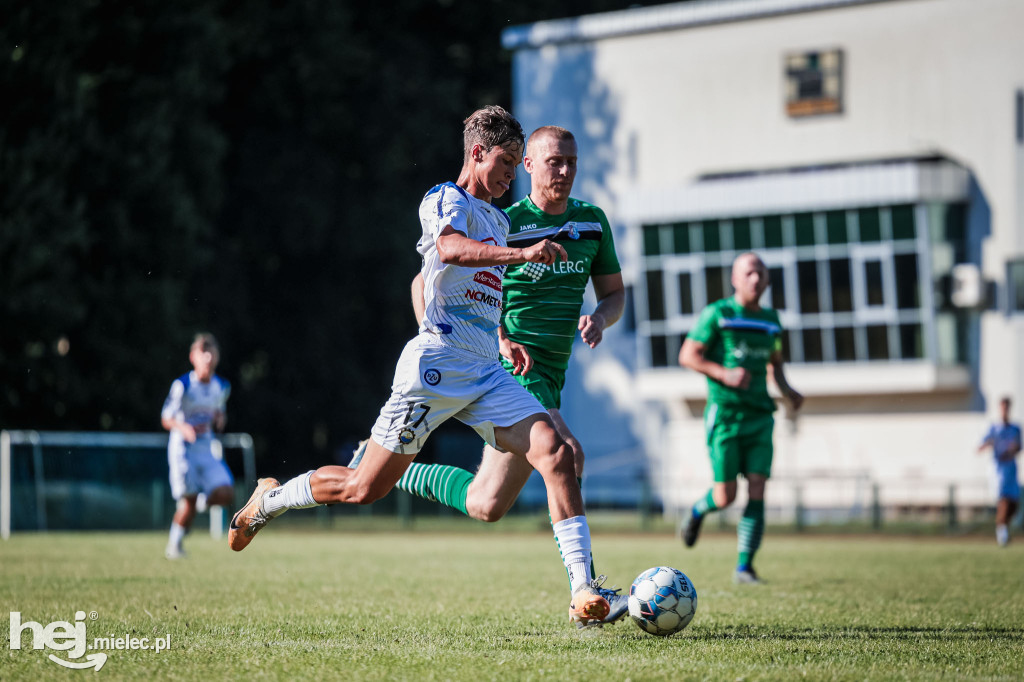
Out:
{"x": 294, "y": 494}
{"x": 573, "y": 538}
{"x": 1002, "y": 534}
{"x": 177, "y": 534}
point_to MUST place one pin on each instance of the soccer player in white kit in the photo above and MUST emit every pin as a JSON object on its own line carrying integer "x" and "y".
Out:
{"x": 452, "y": 368}
{"x": 195, "y": 407}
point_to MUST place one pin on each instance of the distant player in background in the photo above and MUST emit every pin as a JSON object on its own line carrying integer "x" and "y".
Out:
{"x": 1003, "y": 438}
{"x": 539, "y": 322}
{"x": 452, "y": 369}
{"x": 734, "y": 344}
{"x": 194, "y": 409}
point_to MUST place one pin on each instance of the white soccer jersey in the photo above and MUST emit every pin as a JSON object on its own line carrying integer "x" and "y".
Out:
{"x": 196, "y": 403}
{"x": 462, "y": 304}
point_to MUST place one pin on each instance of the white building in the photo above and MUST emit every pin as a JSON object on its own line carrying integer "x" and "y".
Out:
{"x": 873, "y": 153}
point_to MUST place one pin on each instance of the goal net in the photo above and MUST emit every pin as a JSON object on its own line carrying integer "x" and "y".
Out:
{"x": 86, "y": 480}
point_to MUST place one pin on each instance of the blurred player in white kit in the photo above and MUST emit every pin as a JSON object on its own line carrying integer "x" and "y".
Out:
{"x": 195, "y": 408}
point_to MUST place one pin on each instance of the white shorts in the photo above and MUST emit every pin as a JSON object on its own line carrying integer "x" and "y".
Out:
{"x": 434, "y": 382}
{"x": 194, "y": 469}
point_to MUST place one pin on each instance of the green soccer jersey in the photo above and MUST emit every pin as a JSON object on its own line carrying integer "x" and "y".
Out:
{"x": 542, "y": 303}
{"x": 736, "y": 337}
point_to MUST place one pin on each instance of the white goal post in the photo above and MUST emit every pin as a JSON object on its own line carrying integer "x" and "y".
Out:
{"x": 37, "y": 440}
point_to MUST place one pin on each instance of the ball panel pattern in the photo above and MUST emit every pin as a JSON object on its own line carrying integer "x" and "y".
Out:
{"x": 662, "y": 601}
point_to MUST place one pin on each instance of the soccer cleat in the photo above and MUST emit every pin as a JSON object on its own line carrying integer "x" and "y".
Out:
{"x": 174, "y": 552}
{"x": 618, "y": 605}
{"x": 692, "y": 529}
{"x": 746, "y": 576}
{"x": 248, "y": 520}
{"x": 588, "y": 606}
{"x": 357, "y": 454}
{"x": 1002, "y": 536}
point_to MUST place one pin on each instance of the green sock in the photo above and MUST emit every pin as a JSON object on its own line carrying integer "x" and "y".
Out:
{"x": 437, "y": 483}
{"x": 749, "y": 532}
{"x": 705, "y": 504}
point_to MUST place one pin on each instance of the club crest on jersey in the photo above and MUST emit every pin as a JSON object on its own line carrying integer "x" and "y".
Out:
{"x": 432, "y": 377}
{"x": 574, "y": 232}
{"x": 407, "y": 436}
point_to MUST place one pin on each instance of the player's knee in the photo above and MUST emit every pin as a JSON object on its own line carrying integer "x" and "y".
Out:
{"x": 488, "y": 513}
{"x": 222, "y": 496}
{"x": 724, "y": 497}
{"x": 560, "y": 460}
{"x": 184, "y": 516}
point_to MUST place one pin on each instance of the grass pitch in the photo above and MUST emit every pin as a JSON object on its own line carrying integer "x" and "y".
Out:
{"x": 303, "y": 604}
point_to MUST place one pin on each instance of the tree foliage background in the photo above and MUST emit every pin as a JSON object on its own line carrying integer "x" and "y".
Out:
{"x": 248, "y": 168}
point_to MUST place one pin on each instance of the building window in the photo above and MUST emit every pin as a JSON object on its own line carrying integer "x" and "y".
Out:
{"x": 1015, "y": 285}
{"x": 847, "y": 283}
{"x": 814, "y": 83}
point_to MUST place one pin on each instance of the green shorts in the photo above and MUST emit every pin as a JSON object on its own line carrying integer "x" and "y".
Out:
{"x": 544, "y": 383}
{"x": 738, "y": 442}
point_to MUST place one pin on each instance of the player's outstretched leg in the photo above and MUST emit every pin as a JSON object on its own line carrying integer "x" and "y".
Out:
{"x": 440, "y": 483}
{"x": 749, "y": 533}
{"x": 691, "y": 530}
{"x": 174, "y": 549}
{"x": 587, "y": 606}
{"x": 248, "y": 520}
{"x": 536, "y": 438}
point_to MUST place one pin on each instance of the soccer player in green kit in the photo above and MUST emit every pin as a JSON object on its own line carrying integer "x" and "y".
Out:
{"x": 541, "y": 315}
{"x": 735, "y": 344}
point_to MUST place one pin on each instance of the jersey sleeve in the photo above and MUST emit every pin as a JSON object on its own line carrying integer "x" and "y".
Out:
{"x": 443, "y": 206}
{"x": 989, "y": 437}
{"x": 172, "y": 404}
{"x": 224, "y": 395}
{"x": 605, "y": 262}
{"x": 706, "y": 329}
{"x": 452, "y": 209}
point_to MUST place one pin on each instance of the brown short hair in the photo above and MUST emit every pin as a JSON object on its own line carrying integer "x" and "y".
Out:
{"x": 490, "y": 127}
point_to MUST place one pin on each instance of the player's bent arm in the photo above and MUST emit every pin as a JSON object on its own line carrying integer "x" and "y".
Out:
{"x": 691, "y": 356}
{"x": 419, "y": 307}
{"x": 455, "y": 248}
{"x": 793, "y": 397}
{"x": 516, "y": 353}
{"x": 186, "y": 429}
{"x": 611, "y": 299}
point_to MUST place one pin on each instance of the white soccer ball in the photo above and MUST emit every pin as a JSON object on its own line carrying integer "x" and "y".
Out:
{"x": 662, "y": 601}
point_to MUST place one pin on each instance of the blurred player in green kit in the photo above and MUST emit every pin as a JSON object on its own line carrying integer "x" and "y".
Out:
{"x": 735, "y": 344}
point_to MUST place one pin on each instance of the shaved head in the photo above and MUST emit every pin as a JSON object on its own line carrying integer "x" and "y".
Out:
{"x": 543, "y": 133}
{"x": 745, "y": 259}
{"x": 749, "y": 279}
